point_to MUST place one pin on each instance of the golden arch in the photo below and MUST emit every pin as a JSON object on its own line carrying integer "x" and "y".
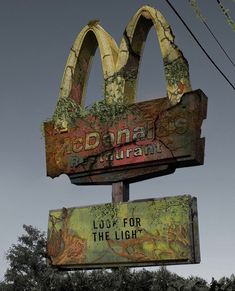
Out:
{"x": 120, "y": 65}
{"x": 80, "y": 58}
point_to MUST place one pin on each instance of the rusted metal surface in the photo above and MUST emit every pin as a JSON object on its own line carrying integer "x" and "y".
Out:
{"x": 139, "y": 233}
{"x": 153, "y": 139}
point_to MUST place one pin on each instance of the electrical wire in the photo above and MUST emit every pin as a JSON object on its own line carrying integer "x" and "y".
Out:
{"x": 199, "y": 44}
{"x": 215, "y": 38}
{"x": 218, "y": 42}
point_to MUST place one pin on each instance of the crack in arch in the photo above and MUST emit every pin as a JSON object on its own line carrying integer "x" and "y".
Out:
{"x": 121, "y": 65}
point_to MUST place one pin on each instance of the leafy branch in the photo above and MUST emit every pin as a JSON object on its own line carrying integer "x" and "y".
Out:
{"x": 227, "y": 15}
{"x": 196, "y": 9}
{"x": 68, "y": 111}
{"x": 225, "y": 11}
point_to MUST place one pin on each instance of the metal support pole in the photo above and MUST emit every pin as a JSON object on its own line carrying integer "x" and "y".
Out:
{"x": 120, "y": 192}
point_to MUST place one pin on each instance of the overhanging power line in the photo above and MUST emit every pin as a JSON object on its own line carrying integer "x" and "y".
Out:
{"x": 214, "y": 36}
{"x": 199, "y": 44}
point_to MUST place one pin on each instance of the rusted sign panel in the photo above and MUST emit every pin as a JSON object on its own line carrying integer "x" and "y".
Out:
{"x": 151, "y": 232}
{"x": 153, "y": 139}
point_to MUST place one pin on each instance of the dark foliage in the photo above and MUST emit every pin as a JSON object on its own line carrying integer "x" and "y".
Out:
{"x": 28, "y": 271}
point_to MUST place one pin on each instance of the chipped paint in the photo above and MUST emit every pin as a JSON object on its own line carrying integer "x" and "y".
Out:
{"x": 120, "y": 65}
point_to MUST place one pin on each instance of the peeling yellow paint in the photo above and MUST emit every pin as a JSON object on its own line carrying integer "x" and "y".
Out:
{"x": 120, "y": 65}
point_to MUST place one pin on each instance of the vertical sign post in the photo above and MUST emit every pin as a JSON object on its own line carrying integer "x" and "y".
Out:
{"x": 120, "y": 192}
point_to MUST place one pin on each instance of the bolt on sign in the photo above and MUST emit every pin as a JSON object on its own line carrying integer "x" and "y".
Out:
{"x": 118, "y": 139}
{"x": 139, "y": 233}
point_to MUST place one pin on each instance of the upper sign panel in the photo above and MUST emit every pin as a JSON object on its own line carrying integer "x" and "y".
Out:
{"x": 153, "y": 139}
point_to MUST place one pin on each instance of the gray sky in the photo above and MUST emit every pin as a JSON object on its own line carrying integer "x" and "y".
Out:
{"x": 36, "y": 37}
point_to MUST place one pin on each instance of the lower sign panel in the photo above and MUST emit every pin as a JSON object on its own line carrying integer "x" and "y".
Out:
{"x": 138, "y": 233}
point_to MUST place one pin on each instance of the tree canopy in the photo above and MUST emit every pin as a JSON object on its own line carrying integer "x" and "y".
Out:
{"x": 28, "y": 271}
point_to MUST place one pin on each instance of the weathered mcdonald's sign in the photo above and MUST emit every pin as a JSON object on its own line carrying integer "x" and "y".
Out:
{"x": 119, "y": 139}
